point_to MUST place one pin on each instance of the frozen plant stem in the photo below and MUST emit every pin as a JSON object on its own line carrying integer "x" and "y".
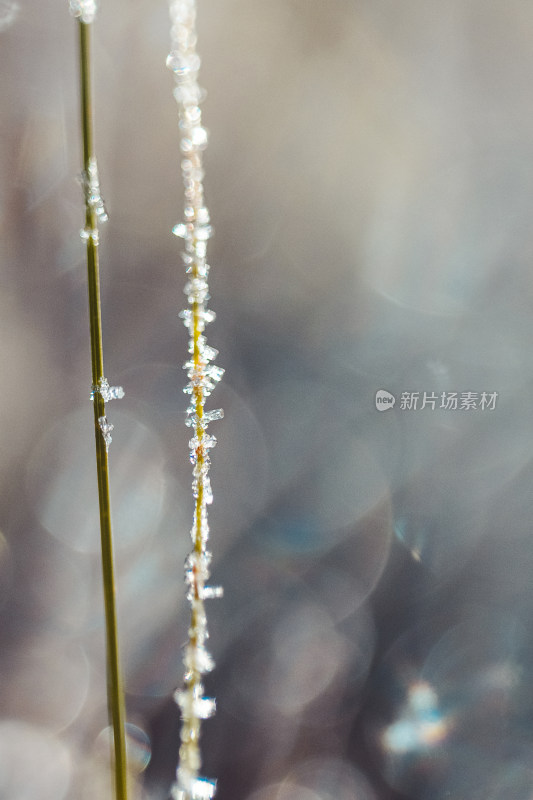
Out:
{"x": 203, "y": 376}
{"x": 101, "y": 392}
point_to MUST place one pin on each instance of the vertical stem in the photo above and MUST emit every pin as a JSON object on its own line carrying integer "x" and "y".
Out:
{"x": 115, "y": 691}
{"x": 195, "y": 230}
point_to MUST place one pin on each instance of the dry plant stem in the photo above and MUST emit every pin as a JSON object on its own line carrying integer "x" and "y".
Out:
{"x": 115, "y": 690}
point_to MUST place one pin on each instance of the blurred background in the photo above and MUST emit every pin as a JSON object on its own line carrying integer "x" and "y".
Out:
{"x": 370, "y": 180}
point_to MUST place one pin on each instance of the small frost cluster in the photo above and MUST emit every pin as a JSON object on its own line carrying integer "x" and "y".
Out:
{"x": 84, "y": 9}
{"x": 203, "y": 376}
{"x": 94, "y": 202}
{"x": 107, "y": 393}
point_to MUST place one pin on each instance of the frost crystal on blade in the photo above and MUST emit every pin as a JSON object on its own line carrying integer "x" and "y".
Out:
{"x": 93, "y": 199}
{"x": 106, "y": 391}
{"x": 194, "y": 789}
{"x": 91, "y": 186}
{"x": 203, "y": 375}
{"x": 106, "y": 428}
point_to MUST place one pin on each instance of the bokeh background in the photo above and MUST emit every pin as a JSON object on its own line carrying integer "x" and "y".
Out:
{"x": 370, "y": 179}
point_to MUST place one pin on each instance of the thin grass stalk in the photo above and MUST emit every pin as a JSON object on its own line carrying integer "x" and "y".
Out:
{"x": 101, "y": 392}
{"x": 203, "y": 376}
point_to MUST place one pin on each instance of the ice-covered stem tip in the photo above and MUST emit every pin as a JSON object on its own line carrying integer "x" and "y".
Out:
{"x": 85, "y": 10}
{"x": 101, "y": 392}
{"x": 203, "y": 376}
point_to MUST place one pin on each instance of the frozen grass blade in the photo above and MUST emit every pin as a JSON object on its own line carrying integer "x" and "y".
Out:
{"x": 203, "y": 376}
{"x": 101, "y": 393}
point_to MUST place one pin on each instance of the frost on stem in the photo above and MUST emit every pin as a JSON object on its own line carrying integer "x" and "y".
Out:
{"x": 203, "y": 376}
{"x": 84, "y": 10}
{"x": 106, "y": 428}
{"x": 93, "y": 199}
{"x": 107, "y": 393}
{"x": 197, "y": 788}
{"x": 91, "y": 188}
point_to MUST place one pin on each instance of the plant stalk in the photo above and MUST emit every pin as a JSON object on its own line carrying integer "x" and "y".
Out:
{"x": 115, "y": 691}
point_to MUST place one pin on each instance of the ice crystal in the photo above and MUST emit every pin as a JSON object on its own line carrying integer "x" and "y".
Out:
{"x": 199, "y": 318}
{"x": 210, "y": 416}
{"x": 180, "y": 229}
{"x": 190, "y": 788}
{"x": 91, "y": 184}
{"x": 203, "y": 375}
{"x": 91, "y": 187}
{"x": 192, "y": 705}
{"x": 106, "y": 391}
{"x": 201, "y": 423}
{"x": 106, "y": 428}
{"x": 201, "y": 488}
{"x": 89, "y": 233}
{"x": 209, "y": 592}
{"x": 83, "y": 9}
{"x": 197, "y": 660}
{"x": 206, "y": 353}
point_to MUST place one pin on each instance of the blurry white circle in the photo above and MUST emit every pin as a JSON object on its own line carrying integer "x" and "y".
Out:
{"x": 138, "y": 746}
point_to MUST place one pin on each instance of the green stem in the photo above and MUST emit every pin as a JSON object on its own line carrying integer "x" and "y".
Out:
{"x": 115, "y": 691}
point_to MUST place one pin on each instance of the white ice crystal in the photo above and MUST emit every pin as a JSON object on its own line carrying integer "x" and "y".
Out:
{"x": 89, "y": 233}
{"x": 209, "y": 592}
{"x": 106, "y": 428}
{"x": 190, "y": 788}
{"x": 91, "y": 186}
{"x": 106, "y": 391}
{"x": 84, "y": 10}
{"x": 91, "y": 190}
{"x": 193, "y": 705}
{"x": 197, "y": 659}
